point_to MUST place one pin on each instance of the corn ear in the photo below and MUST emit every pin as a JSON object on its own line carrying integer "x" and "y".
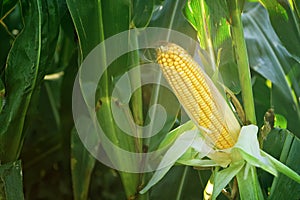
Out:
{"x": 199, "y": 96}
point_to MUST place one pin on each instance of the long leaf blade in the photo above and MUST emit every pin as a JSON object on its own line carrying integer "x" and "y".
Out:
{"x": 26, "y": 66}
{"x": 11, "y": 179}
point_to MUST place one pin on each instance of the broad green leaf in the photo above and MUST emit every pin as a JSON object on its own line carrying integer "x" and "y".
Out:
{"x": 282, "y": 145}
{"x": 248, "y": 147}
{"x": 283, "y": 168}
{"x": 11, "y": 25}
{"x": 157, "y": 176}
{"x": 120, "y": 10}
{"x": 200, "y": 155}
{"x": 174, "y": 134}
{"x": 291, "y": 114}
{"x": 142, "y": 13}
{"x": 109, "y": 18}
{"x": 285, "y": 21}
{"x": 197, "y": 154}
{"x": 82, "y": 164}
{"x": 26, "y": 66}
{"x": 213, "y": 31}
{"x": 261, "y": 95}
{"x": 270, "y": 59}
{"x": 181, "y": 182}
{"x": 168, "y": 14}
{"x": 116, "y": 19}
{"x": 276, "y": 140}
{"x": 182, "y": 191}
{"x": 223, "y": 177}
{"x": 273, "y": 145}
{"x": 2, "y": 95}
{"x": 11, "y": 181}
{"x": 283, "y": 184}
{"x": 169, "y": 102}
{"x": 249, "y": 187}
{"x": 6, "y": 6}
{"x": 90, "y": 32}
{"x": 181, "y": 144}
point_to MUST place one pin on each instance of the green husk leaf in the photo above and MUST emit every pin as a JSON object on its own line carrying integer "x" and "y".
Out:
{"x": 248, "y": 184}
{"x": 174, "y": 134}
{"x": 180, "y": 146}
{"x": 280, "y": 167}
{"x": 223, "y": 177}
{"x": 248, "y": 147}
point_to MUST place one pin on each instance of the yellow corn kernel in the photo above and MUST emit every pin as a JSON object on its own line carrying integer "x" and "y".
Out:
{"x": 198, "y": 95}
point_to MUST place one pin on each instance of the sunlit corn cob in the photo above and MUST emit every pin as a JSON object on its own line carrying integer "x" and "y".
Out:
{"x": 198, "y": 95}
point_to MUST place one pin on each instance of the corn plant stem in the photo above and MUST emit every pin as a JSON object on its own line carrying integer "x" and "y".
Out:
{"x": 127, "y": 180}
{"x": 137, "y": 110}
{"x": 104, "y": 86}
{"x": 207, "y": 32}
{"x": 239, "y": 46}
{"x": 136, "y": 99}
{"x": 105, "y": 98}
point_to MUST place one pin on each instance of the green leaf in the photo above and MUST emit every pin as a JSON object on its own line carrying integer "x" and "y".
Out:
{"x": 181, "y": 182}
{"x": 286, "y": 23}
{"x": 6, "y": 6}
{"x": 249, "y": 187}
{"x": 262, "y": 94}
{"x": 168, "y": 14}
{"x": 174, "y": 134}
{"x": 273, "y": 145}
{"x": 82, "y": 164}
{"x": 283, "y": 185}
{"x": 214, "y": 37}
{"x": 275, "y": 142}
{"x": 26, "y": 66}
{"x": 11, "y": 180}
{"x": 109, "y": 18}
{"x": 197, "y": 162}
{"x": 169, "y": 102}
{"x": 142, "y": 13}
{"x": 270, "y": 59}
{"x": 280, "y": 121}
{"x": 2, "y": 95}
{"x": 201, "y": 155}
{"x": 284, "y": 146}
{"x": 181, "y": 144}
{"x": 90, "y": 32}
{"x": 283, "y": 168}
{"x": 223, "y": 177}
{"x": 248, "y": 147}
